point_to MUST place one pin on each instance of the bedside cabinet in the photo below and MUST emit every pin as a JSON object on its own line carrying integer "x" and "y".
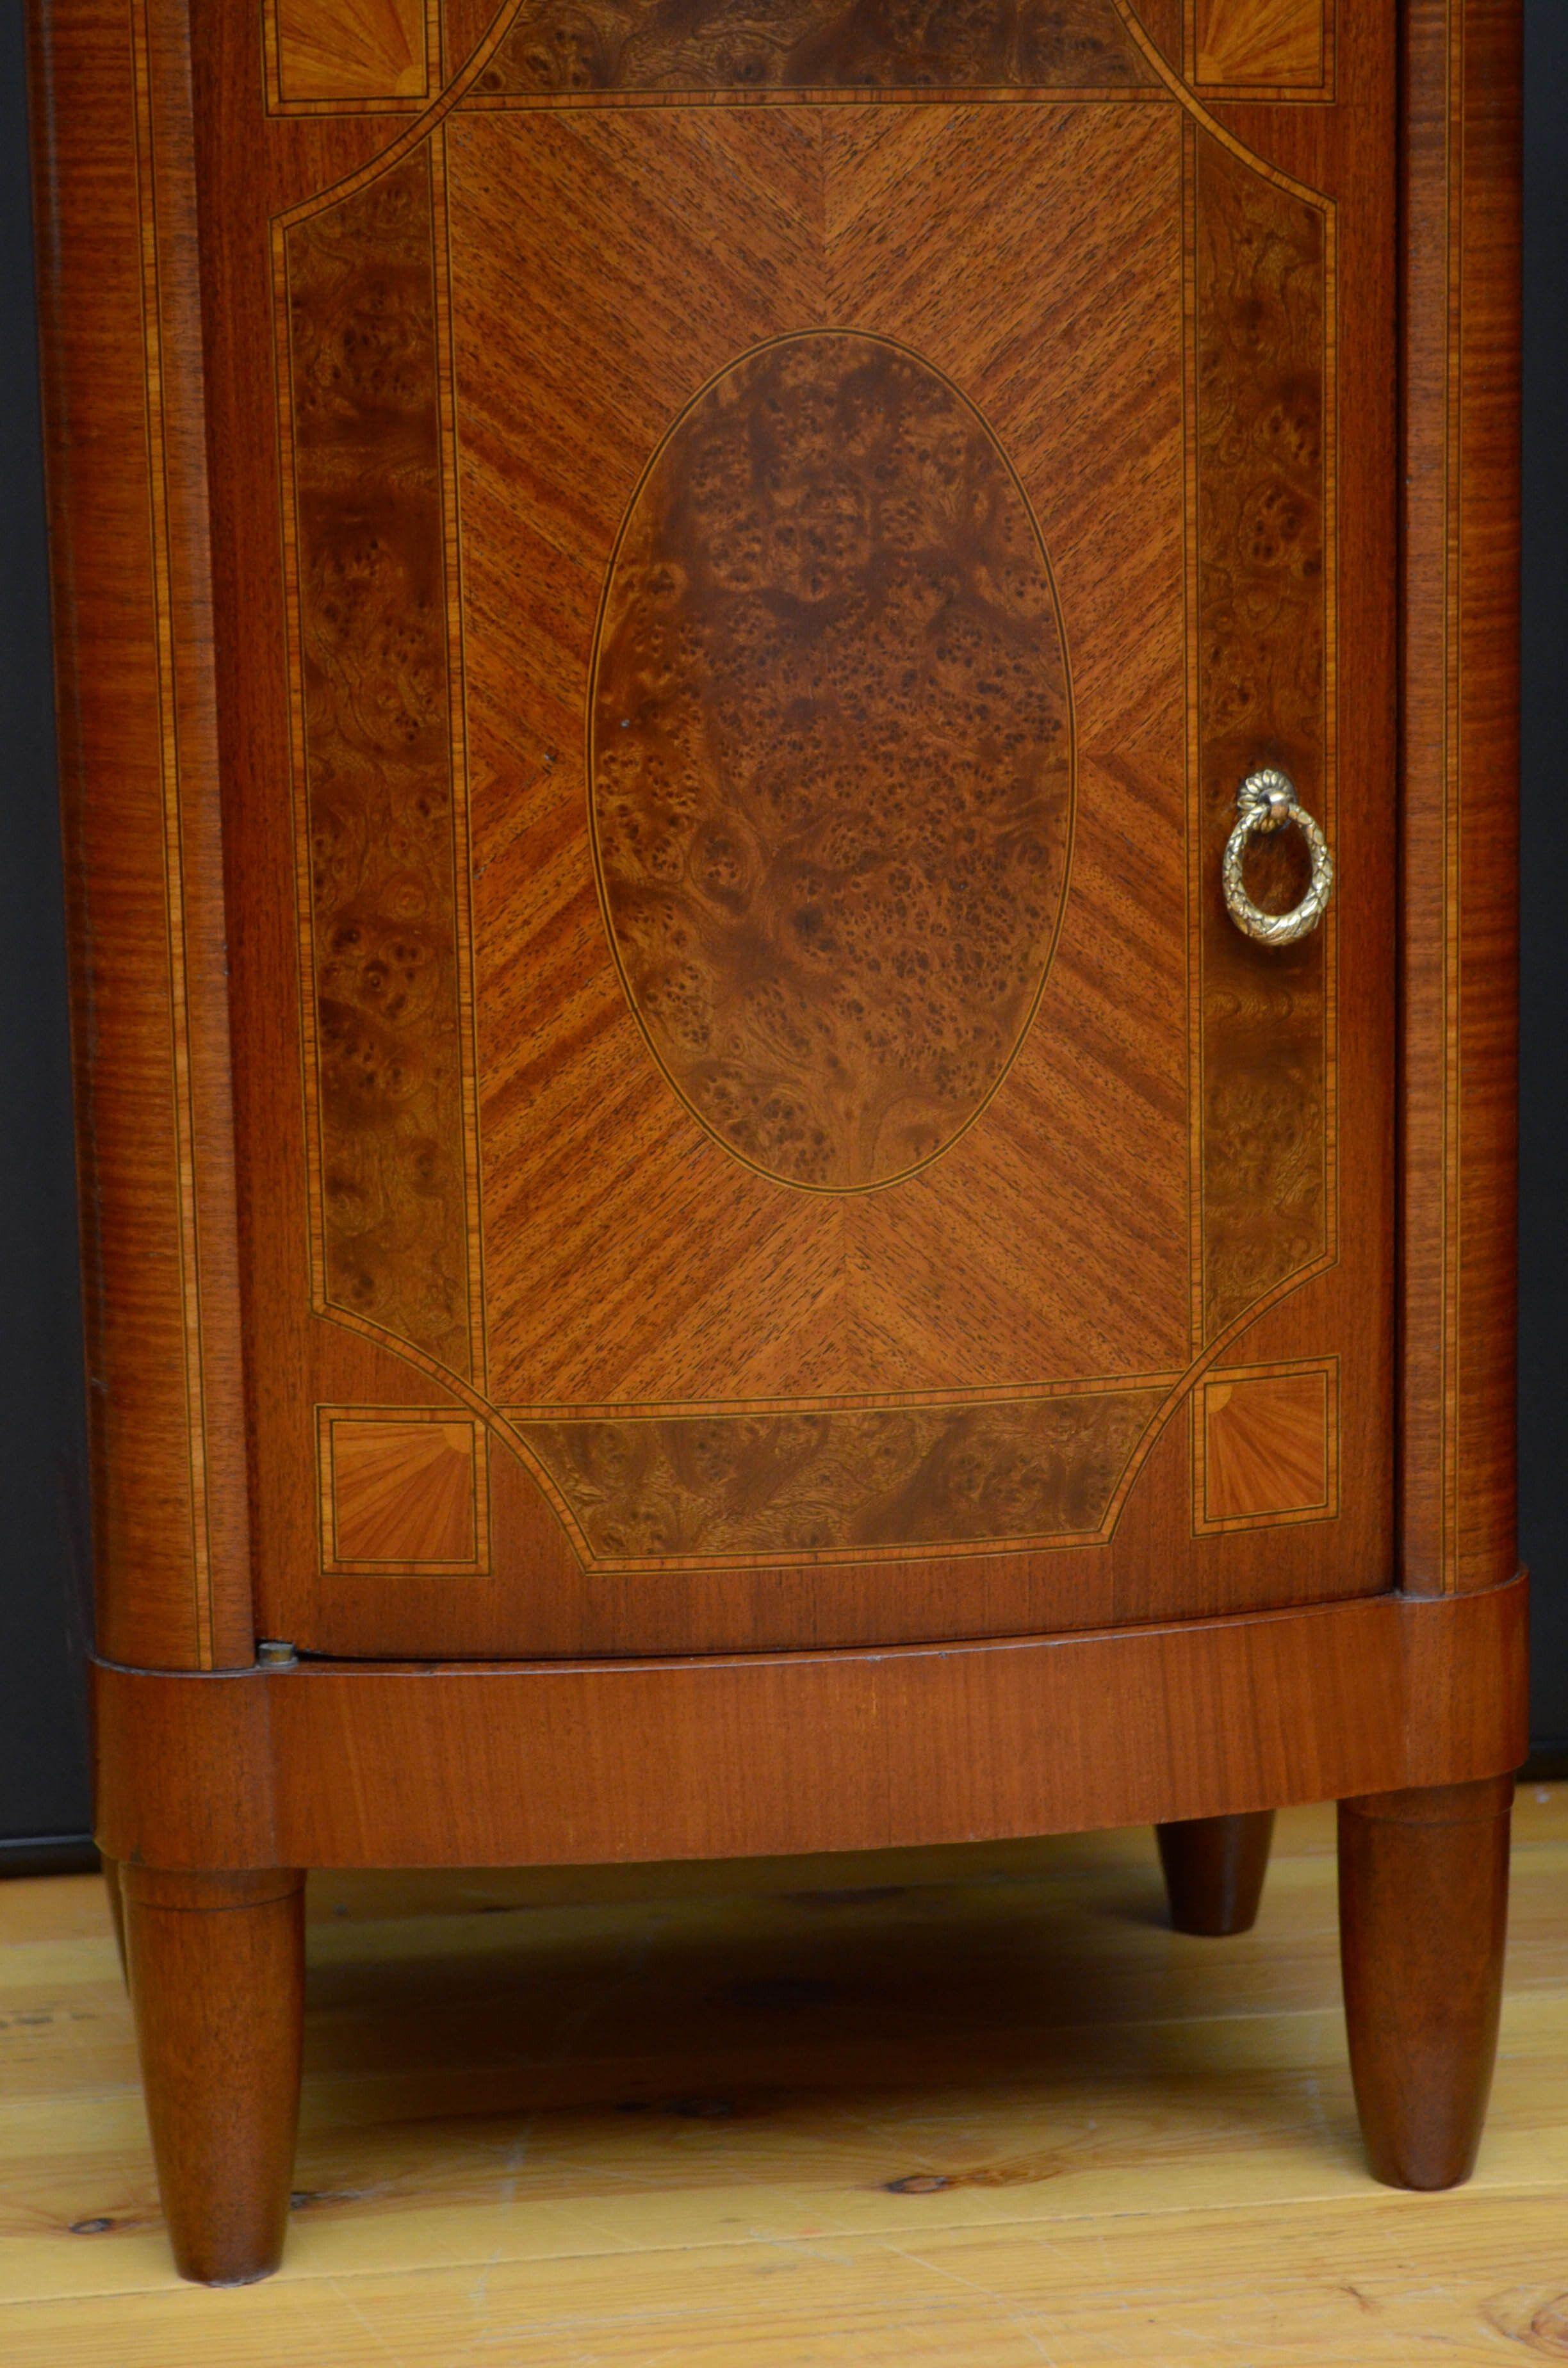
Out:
{"x": 788, "y": 749}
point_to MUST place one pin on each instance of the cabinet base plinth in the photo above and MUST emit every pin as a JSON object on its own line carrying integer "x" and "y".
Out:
{"x": 509, "y": 1764}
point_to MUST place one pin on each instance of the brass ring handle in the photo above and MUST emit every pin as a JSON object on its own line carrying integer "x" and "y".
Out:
{"x": 1266, "y": 801}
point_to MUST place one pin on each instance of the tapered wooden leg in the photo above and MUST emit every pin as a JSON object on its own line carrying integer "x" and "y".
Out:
{"x": 1423, "y": 1915}
{"x": 217, "y": 1982}
{"x": 1214, "y": 1871}
{"x": 116, "y": 1905}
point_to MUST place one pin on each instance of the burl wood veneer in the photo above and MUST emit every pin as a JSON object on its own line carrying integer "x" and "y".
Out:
{"x": 829, "y": 564}
{"x": 707, "y": 1228}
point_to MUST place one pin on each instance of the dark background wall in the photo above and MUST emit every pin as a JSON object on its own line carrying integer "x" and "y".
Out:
{"x": 43, "y": 1784}
{"x": 43, "y": 1788}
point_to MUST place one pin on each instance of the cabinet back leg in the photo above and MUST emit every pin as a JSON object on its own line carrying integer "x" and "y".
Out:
{"x": 1423, "y": 1916}
{"x": 217, "y": 1983}
{"x": 116, "y": 1906}
{"x": 1214, "y": 1870}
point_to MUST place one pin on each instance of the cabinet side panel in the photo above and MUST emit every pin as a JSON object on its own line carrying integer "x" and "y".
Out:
{"x": 128, "y": 509}
{"x": 1461, "y": 780}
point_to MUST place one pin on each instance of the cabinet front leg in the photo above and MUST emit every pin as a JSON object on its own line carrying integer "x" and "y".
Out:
{"x": 1214, "y": 1870}
{"x": 217, "y": 1983}
{"x": 1423, "y": 1916}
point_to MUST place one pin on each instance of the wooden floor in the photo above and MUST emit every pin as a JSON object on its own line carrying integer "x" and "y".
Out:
{"x": 963, "y": 2109}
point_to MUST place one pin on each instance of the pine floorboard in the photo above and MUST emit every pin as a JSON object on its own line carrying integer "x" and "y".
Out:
{"x": 970, "y": 2107}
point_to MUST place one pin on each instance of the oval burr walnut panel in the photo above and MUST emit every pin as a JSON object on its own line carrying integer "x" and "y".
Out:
{"x": 832, "y": 760}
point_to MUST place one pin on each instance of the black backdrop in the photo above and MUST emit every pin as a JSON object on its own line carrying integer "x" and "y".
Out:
{"x": 43, "y": 1784}
{"x": 43, "y": 1788}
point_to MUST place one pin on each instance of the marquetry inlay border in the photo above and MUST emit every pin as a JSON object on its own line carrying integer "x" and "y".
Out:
{"x": 403, "y": 1492}
{"x": 387, "y": 57}
{"x": 350, "y": 57}
{"x": 688, "y": 1487}
{"x": 551, "y": 1441}
{"x": 1263, "y": 52}
{"x": 1262, "y": 645}
{"x": 371, "y": 560}
{"x": 1282, "y": 1422}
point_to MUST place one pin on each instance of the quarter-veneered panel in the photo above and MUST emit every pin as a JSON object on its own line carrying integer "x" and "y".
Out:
{"x": 832, "y": 760}
{"x": 631, "y": 1258}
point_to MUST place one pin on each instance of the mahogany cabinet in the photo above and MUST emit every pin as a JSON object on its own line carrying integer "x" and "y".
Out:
{"x": 788, "y": 747}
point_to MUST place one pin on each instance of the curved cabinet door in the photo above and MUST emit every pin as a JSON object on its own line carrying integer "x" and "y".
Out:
{"x": 756, "y": 553}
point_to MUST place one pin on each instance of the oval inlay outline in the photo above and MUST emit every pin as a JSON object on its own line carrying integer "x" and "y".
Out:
{"x": 830, "y": 760}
